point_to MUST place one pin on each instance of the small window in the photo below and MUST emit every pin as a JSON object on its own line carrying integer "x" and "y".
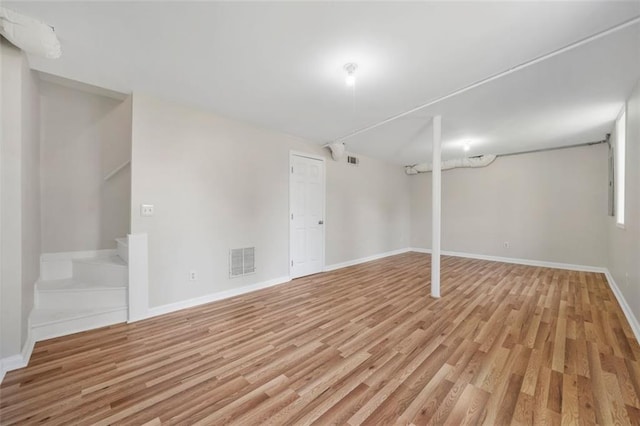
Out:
{"x": 619, "y": 166}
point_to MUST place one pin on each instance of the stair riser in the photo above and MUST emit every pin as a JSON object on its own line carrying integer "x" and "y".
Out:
{"x": 123, "y": 251}
{"x": 49, "y": 331}
{"x": 55, "y": 266}
{"x": 101, "y": 274}
{"x": 86, "y": 299}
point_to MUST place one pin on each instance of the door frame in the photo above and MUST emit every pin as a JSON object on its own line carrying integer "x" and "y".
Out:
{"x": 322, "y": 160}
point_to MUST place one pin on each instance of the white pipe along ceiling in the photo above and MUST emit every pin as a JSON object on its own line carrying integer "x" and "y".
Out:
{"x": 479, "y": 161}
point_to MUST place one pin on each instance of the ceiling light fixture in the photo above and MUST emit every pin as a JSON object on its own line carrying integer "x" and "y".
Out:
{"x": 350, "y": 68}
{"x": 466, "y": 147}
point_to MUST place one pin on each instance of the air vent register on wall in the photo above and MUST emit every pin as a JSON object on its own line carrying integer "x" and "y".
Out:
{"x": 242, "y": 261}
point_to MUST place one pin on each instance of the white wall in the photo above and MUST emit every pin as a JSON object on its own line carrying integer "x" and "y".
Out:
{"x": 218, "y": 184}
{"x": 20, "y": 195}
{"x": 549, "y": 206}
{"x": 367, "y": 209}
{"x": 624, "y": 244}
{"x": 31, "y": 205}
{"x": 84, "y": 137}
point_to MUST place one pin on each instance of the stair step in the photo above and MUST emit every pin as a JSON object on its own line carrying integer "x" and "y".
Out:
{"x": 69, "y": 293}
{"x": 69, "y": 284}
{"x": 50, "y": 323}
{"x": 55, "y": 266}
{"x": 112, "y": 260}
{"x": 110, "y": 270}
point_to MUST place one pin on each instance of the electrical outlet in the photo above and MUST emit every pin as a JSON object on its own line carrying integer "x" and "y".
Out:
{"x": 193, "y": 276}
{"x": 506, "y": 244}
{"x": 146, "y": 210}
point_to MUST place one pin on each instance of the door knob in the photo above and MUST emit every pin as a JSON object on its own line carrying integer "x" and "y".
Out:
{"x": 321, "y": 222}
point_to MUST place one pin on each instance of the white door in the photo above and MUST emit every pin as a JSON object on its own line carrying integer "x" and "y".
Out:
{"x": 306, "y": 207}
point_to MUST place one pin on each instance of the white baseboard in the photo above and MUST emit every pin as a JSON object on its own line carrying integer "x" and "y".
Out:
{"x": 528, "y": 262}
{"x": 365, "y": 259}
{"x": 184, "y": 304}
{"x": 172, "y": 307}
{"x": 20, "y": 360}
{"x": 420, "y": 250}
{"x": 84, "y": 321}
{"x": 631, "y": 318}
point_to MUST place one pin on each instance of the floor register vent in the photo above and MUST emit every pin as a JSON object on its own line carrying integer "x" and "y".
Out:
{"x": 242, "y": 261}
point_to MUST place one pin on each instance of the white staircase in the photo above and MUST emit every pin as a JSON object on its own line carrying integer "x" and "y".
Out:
{"x": 80, "y": 291}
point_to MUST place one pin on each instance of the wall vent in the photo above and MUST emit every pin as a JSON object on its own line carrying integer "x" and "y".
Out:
{"x": 353, "y": 160}
{"x": 242, "y": 261}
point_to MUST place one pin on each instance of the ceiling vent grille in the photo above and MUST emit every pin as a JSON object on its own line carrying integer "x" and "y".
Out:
{"x": 242, "y": 261}
{"x": 353, "y": 160}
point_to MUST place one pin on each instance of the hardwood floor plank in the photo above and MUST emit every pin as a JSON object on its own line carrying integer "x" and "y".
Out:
{"x": 506, "y": 344}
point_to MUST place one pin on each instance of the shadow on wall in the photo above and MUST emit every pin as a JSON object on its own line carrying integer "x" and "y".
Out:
{"x": 85, "y": 137}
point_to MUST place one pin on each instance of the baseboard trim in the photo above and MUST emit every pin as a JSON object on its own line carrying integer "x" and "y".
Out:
{"x": 514, "y": 260}
{"x": 213, "y": 297}
{"x": 626, "y": 309}
{"x": 20, "y": 360}
{"x": 341, "y": 265}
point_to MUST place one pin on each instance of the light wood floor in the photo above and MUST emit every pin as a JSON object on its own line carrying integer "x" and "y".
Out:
{"x": 505, "y": 344}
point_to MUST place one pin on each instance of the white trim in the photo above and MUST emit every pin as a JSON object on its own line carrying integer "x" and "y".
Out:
{"x": 419, "y": 250}
{"x": 365, "y": 259}
{"x": 528, "y": 262}
{"x": 117, "y": 169}
{"x": 213, "y": 297}
{"x": 628, "y": 313}
{"x": 20, "y": 360}
{"x": 76, "y": 323}
{"x": 306, "y": 155}
{"x": 293, "y": 153}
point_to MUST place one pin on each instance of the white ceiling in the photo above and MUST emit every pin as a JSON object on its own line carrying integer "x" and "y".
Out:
{"x": 280, "y": 65}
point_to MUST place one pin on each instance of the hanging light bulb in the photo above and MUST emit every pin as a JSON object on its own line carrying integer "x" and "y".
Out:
{"x": 350, "y": 79}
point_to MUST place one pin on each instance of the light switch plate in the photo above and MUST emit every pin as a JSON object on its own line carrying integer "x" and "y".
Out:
{"x": 146, "y": 210}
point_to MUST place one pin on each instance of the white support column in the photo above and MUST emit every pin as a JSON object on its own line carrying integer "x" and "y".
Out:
{"x": 435, "y": 207}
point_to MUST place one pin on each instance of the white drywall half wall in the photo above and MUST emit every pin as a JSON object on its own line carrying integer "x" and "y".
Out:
{"x": 85, "y": 136}
{"x": 20, "y": 199}
{"x": 624, "y": 243}
{"x": 547, "y": 206}
{"x": 218, "y": 184}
